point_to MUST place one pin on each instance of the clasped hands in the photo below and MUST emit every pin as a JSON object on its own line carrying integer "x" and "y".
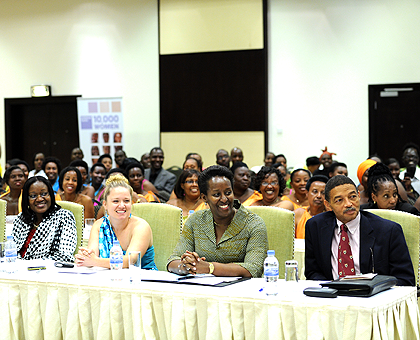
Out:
{"x": 85, "y": 257}
{"x": 191, "y": 263}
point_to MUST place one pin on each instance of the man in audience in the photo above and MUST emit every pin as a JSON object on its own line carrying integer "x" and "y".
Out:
{"x": 236, "y": 155}
{"x": 222, "y": 158}
{"x": 119, "y": 157}
{"x": 338, "y": 168}
{"x": 163, "y": 180}
{"x": 410, "y": 159}
{"x": 145, "y": 160}
{"x": 346, "y": 241}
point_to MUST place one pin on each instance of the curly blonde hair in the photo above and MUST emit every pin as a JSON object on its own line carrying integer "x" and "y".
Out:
{"x": 115, "y": 181}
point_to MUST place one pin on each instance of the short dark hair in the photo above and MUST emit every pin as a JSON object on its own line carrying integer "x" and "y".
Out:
{"x": 132, "y": 165}
{"x": 92, "y": 169}
{"x": 116, "y": 170}
{"x": 266, "y": 171}
{"x": 312, "y": 161}
{"x": 105, "y": 155}
{"x": 8, "y": 172}
{"x": 297, "y": 170}
{"x": 28, "y": 215}
{"x": 127, "y": 161}
{"x": 79, "y": 162}
{"x": 19, "y": 161}
{"x": 335, "y": 165}
{"x": 335, "y": 182}
{"x": 157, "y": 148}
{"x": 316, "y": 178}
{"x": 52, "y": 160}
{"x": 179, "y": 192}
{"x": 391, "y": 160}
{"x": 413, "y": 146}
{"x": 199, "y": 164}
{"x": 209, "y": 173}
{"x": 378, "y": 173}
{"x": 78, "y": 174}
{"x": 238, "y": 165}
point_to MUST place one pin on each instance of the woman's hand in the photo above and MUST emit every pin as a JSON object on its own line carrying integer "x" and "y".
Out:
{"x": 189, "y": 262}
{"x": 85, "y": 257}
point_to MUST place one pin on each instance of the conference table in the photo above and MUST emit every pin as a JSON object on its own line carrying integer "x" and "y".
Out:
{"x": 47, "y": 304}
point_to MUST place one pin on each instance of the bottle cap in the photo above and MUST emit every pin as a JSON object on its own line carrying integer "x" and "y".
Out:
{"x": 271, "y": 252}
{"x": 116, "y": 243}
{"x": 191, "y": 212}
{"x": 9, "y": 238}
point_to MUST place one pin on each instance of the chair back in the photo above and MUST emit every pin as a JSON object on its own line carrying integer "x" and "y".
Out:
{"x": 280, "y": 225}
{"x": 411, "y": 227}
{"x": 3, "y": 207}
{"x": 78, "y": 212}
{"x": 166, "y": 222}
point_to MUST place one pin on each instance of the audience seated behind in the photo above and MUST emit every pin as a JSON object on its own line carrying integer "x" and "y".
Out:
{"x": 106, "y": 160}
{"x": 241, "y": 185}
{"x": 326, "y": 161}
{"x": 23, "y": 165}
{"x": 70, "y": 182}
{"x": 82, "y": 166}
{"x": 15, "y": 179}
{"x": 43, "y": 230}
{"x": 37, "y": 161}
{"x": 132, "y": 233}
{"x": 271, "y": 185}
{"x": 163, "y": 180}
{"x": 299, "y": 195}
{"x": 316, "y": 196}
{"x": 382, "y": 191}
{"x": 188, "y": 193}
{"x": 224, "y": 240}
{"x": 52, "y": 167}
{"x": 135, "y": 174}
{"x": 236, "y": 155}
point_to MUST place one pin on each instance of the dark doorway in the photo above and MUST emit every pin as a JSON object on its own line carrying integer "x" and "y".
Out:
{"x": 394, "y": 116}
{"x": 48, "y": 125}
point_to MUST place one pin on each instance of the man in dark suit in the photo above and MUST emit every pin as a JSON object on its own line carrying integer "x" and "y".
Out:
{"x": 163, "y": 180}
{"x": 377, "y": 245}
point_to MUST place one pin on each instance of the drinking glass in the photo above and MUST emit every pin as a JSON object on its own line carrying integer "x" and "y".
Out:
{"x": 134, "y": 267}
{"x": 291, "y": 271}
{"x": 86, "y": 231}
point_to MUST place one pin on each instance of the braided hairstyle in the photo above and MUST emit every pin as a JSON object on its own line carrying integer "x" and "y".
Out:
{"x": 379, "y": 173}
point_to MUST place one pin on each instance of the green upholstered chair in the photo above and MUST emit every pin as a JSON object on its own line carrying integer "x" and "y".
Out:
{"x": 3, "y": 207}
{"x": 280, "y": 225}
{"x": 78, "y": 212}
{"x": 165, "y": 221}
{"x": 411, "y": 228}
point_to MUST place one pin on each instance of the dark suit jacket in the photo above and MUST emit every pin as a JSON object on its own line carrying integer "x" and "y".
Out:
{"x": 165, "y": 180}
{"x": 384, "y": 237}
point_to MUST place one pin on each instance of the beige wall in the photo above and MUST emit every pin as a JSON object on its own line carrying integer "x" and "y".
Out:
{"x": 178, "y": 144}
{"x": 210, "y": 25}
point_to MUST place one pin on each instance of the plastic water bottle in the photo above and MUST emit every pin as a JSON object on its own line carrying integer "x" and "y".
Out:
{"x": 10, "y": 253}
{"x": 116, "y": 261}
{"x": 271, "y": 273}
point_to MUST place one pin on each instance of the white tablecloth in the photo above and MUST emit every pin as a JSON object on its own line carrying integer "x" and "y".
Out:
{"x": 49, "y": 305}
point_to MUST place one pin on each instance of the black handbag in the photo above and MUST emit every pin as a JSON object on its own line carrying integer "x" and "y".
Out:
{"x": 362, "y": 287}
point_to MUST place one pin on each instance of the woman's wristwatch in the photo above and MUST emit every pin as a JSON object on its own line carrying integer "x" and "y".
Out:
{"x": 211, "y": 268}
